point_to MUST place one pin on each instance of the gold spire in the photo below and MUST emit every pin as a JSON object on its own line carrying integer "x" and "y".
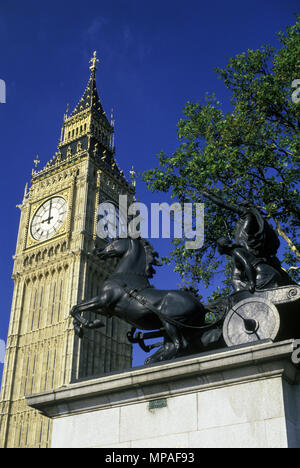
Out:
{"x": 36, "y": 161}
{"x": 93, "y": 61}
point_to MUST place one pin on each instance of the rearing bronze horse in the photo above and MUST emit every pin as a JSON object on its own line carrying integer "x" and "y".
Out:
{"x": 127, "y": 294}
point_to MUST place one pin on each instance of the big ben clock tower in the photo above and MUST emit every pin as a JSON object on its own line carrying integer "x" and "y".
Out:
{"x": 55, "y": 268}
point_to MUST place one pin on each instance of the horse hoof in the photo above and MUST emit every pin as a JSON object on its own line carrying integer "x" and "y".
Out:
{"x": 150, "y": 361}
{"x": 78, "y": 331}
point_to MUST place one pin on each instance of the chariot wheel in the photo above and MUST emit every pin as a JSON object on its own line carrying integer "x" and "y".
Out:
{"x": 251, "y": 320}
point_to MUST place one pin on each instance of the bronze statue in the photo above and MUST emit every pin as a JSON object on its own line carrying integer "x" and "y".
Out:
{"x": 252, "y": 272}
{"x": 127, "y": 294}
{"x": 254, "y": 250}
{"x": 262, "y": 291}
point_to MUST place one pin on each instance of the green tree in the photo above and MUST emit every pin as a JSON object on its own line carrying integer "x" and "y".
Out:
{"x": 251, "y": 153}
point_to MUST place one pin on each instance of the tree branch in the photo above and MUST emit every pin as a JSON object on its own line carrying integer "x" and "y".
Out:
{"x": 286, "y": 238}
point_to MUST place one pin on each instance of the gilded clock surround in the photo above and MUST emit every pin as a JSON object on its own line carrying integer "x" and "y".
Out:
{"x": 53, "y": 275}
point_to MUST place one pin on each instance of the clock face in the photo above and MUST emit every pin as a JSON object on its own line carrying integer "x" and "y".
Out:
{"x": 111, "y": 222}
{"x": 49, "y": 218}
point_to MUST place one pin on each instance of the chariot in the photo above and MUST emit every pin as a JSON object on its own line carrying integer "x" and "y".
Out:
{"x": 270, "y": 314}
{"x": 267, "y": 314}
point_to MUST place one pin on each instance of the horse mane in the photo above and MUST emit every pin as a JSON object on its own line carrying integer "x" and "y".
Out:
{"x": 151, "y": 257}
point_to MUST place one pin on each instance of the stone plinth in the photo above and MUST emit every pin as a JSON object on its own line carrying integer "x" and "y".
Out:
{"x": 248, "y": 396}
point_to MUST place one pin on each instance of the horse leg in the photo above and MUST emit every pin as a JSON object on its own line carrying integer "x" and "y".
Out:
{"x": 156, "y": 357}
{"x": 174, "y": 343}
{"x": 79, "y": 321}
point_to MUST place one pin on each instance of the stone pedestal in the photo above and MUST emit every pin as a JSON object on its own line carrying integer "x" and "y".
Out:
{"x": 247, "y": 396}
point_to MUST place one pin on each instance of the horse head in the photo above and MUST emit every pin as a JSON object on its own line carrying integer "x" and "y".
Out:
{"x": 116, "y": 248}
{"x": 137, "y": 255}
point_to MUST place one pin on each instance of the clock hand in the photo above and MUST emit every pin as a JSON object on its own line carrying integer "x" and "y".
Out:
{"x": 50, "y": 212}
{"x": 49, "y": 217}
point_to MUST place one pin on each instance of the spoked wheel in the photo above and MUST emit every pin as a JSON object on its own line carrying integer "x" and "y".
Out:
{"x": 251, "y": 320}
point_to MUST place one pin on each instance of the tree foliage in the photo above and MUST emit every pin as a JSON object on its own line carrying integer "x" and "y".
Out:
{"x": 251, "y": 153}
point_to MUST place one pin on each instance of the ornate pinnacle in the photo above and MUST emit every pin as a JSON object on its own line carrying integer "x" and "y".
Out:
{"x": 25, "y": 192}
{"x": 66, "y": 113}
{"x": 133, "y": 176}
{"x": 93, "y": 61}
{"x": 112, "y": 120}
{"x": 36, "y": 161}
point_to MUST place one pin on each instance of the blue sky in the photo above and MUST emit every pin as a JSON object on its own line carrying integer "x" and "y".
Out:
{"x": 154, "y": 56}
